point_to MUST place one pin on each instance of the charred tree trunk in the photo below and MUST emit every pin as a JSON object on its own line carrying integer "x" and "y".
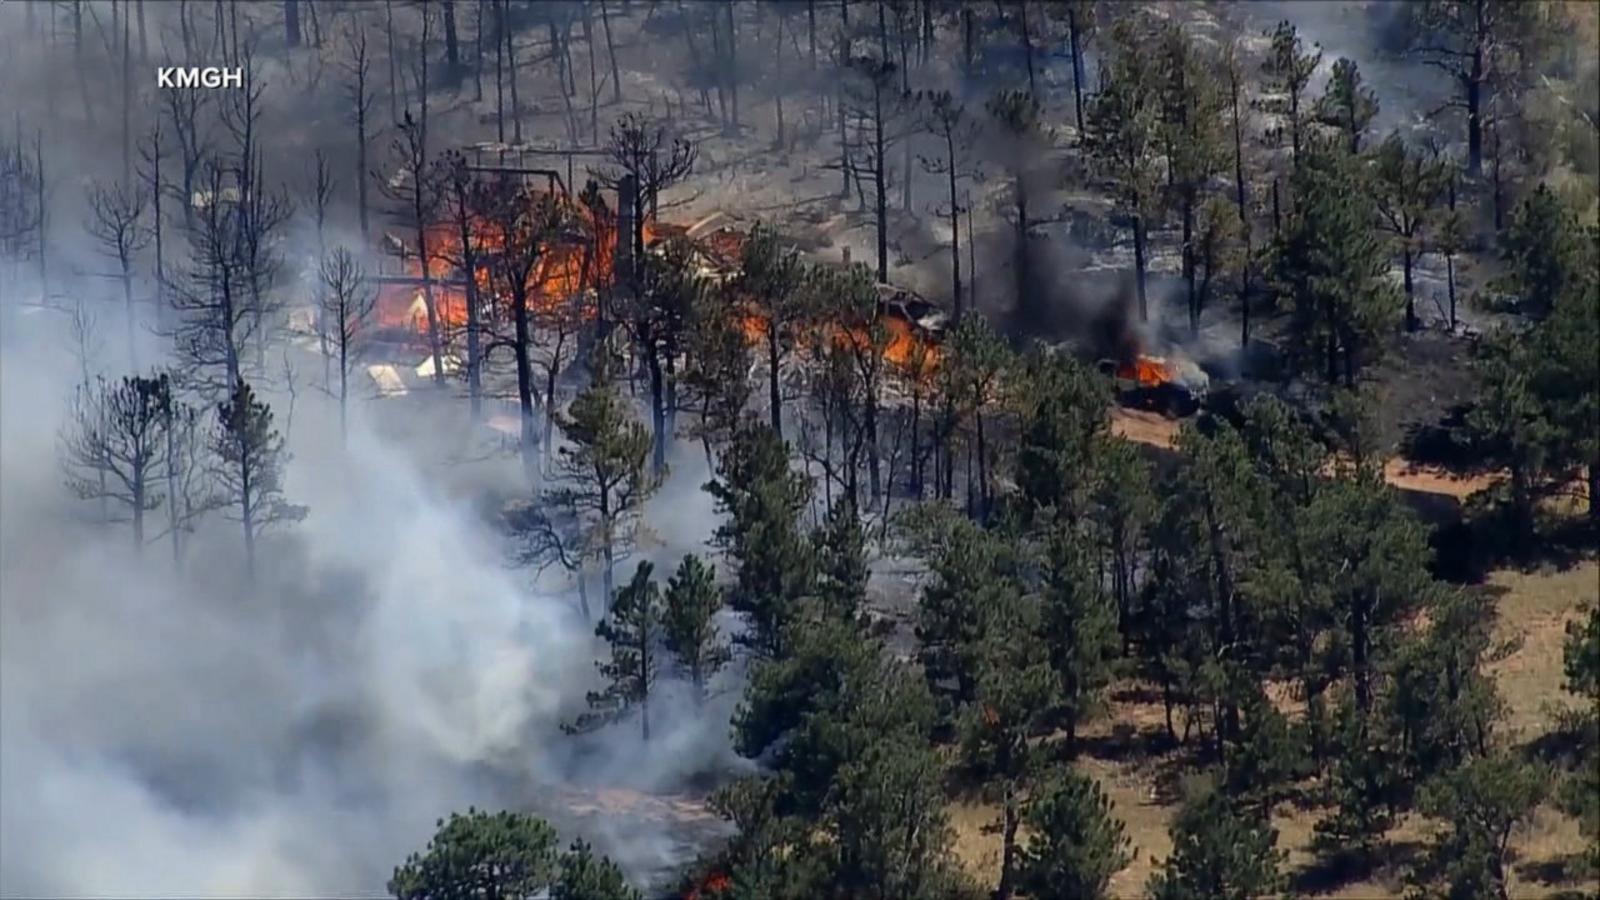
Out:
{"x": 511, "y": 72}
{"x": 955, "y": 230}
{"x": 523, "y": 335}
{"x": 1139, "y": 266}
{"x": 774, "y": 394}
{"x": 611, "y": 53}
{"x": 452, "y": 44}
{"x": 291, "y": 22}
{"x": 1075, "y": 38}
{"x": 1410, "y": 287}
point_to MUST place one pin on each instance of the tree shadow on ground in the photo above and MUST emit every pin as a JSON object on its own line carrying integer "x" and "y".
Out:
{"x": 1330, "y": 871}
{"x": 1564, "y": 870}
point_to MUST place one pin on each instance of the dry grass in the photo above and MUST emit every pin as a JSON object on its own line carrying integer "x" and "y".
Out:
{"x": 1534, "y": 609}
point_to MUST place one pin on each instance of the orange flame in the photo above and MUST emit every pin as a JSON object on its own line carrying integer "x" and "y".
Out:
{"x": 715, "y": 883}
{"x": 567, "y": 270}
{"x": 1148, "y": 371}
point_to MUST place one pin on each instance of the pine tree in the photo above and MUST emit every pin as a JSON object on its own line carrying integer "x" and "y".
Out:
{"x": 250, "y": 455}
{"x": 891, "y": 832}
{"x": 1510, "y": 426}
{"x": 1542, "y": 252}
{"x": 502, "y": 854}
{"x": 1193, "y": 101}
{"x": 603, "y": 479}
{"x": 1220, "y": 851}
{"x": 1075, "y": 842}
{"x": 1580, "y": 795}
{"x": 1079, "y": 628}
{"x": 632, "y": 629}
{"x": 1020, "y": 144}
{"x": 971, "y": 575}
{"x": 1479, "y": 805}
{"x": 689, "y": 622}
{"x": 1122, "y": 136}
{"x": 1330, "y": 266}
{"x": 1288, "y": 69}
{"x": 1408, "y": 187}
{"x": 1062, "y": 421}
{"x": 1013, "y": 692}
{"x": 771, "y": 276}
{"x": 1346, "y": 104}
{"x": 585, "y": 876}
{"x": 841, "y": 556}
{"x": 762, "y": 498}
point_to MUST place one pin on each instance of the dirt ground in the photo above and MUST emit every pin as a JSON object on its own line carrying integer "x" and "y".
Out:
{"x": 1534, "y": 609}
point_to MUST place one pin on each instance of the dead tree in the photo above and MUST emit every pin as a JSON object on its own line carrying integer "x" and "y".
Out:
{"x": 22, "y": 209}
{"x": 114, "y": 445}
{"x": 654, "y": 160}
{"x": 250, "y": 457}
{"x": 116, "y": 223}
{"x": 186, "y": 474}
{"x": 956, "y": 131}
{"x": 460, "y": 192}
{"x": 523, "y": 224}
{"x": 152, "y": 152}
{"x": 415, "y": 194}
{"x": 214, "y": 324}
{"x": 511, "y": 69}
{"x": 452, "y": 44}
{"x": 361, "y": 99}
{"x": 185, "y": 108}
{"x": 874, "y": 105}
{"x": 347, "y": 303}
{"x": 322, "y": 187}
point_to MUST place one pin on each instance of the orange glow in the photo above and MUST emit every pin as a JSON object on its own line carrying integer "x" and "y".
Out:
{"x": 1148, "y": 371}
{"x": 566, "y": 270}
{"x": 714, "y": 884}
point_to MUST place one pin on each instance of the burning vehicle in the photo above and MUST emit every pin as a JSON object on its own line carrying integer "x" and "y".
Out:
{"x": 1174, "y": 386}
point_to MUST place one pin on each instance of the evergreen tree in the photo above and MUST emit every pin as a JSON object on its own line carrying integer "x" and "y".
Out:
{"x": 1543, "y": 253}
{"x": 1580, "y": 795}
{"x": 1021, "y": 144}
{"x": 841, "y": 556}
{"x": 1075, "y": 842}
{"x": 688, "y": 624}
{"x": 1408, "y": 186}
{"x": 762, "y": 498}
{"x": 1331, "y": 267}
{"x": 1442, "y": 707}
{"x": 890, "y": 832}
{"x": 1125, "y": 507}
{"x": 1079, "y": 627}
{"x": 585, "y": 876}
{"x": 1062, "y": 421}
{"x": 1509, "y": 425}
{"x": 1012, "y": 695}
{"x": 1346, "y": 104}
{"x": 771, "y": 276}
{"x": 1193, "y": 100}
{"x": 1288, "y": 69}
{"x": 632, "y": 629}
{"x": 1123, "y": 137}
{"x": 1220, "y": 851}
{"x": 603, "y": 479}
{"x": 971, "y": 574}
{"x": 480, "y": 854}
{"x": 250, "y": 456}
{"x": 1363, "y": 789}
{"x": 1479, "y": 805}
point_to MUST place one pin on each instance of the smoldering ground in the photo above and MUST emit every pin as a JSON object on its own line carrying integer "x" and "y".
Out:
{"x": 190, "y": 734}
